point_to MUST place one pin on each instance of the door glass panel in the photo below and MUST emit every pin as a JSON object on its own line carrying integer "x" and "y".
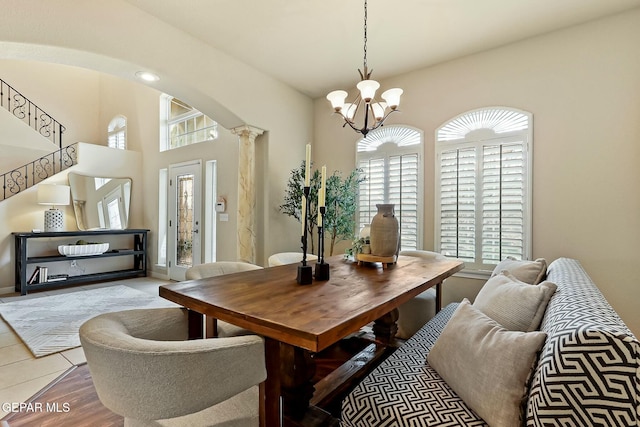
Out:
{"x": 184, "y": 203}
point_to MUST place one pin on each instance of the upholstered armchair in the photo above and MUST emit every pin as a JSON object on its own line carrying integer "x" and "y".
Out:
{"x": 214, "y": 269}
{"x": 284, "y": 258}
{"x": 416, "y": 312}
{"x": 144, "y": 369}
{"x": 218, "y": 268}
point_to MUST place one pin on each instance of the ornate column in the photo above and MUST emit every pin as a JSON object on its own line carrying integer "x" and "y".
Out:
{"x": 246, "y": 192}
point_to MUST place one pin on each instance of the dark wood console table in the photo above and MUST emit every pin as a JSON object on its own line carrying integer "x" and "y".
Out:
{"x": 137, "y": 249}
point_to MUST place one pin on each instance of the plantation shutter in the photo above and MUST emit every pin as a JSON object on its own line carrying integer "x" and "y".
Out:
{"x": 371, "y": 190}
{"x": 403, "y": 192}
{"x": 458, "y": 203}
{"x": 503, "y": 202}
{"x": 483, "y": 179}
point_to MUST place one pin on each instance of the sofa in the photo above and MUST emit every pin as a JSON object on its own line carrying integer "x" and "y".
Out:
{"x": 585, "y": 373}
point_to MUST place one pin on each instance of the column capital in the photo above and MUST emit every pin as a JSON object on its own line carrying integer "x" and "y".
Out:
{"x": 246, "y": 130}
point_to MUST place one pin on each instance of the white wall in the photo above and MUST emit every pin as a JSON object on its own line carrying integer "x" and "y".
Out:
{"x": 582, "y": 85}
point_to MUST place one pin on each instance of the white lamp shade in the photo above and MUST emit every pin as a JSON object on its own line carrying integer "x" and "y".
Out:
{"x": 51, "y": 194}
{"x": 378, "y": 110}
{"x": 392, "y": 96}
{"x": 368, "y": 89}
{"x": 349, "y": 111}
{"x": 337, "y": 98}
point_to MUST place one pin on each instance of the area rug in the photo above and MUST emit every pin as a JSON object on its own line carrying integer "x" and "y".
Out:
{"x": 50, "y": 324}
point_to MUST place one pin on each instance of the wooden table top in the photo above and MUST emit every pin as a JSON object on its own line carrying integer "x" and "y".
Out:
{"x": 271, "y": 303}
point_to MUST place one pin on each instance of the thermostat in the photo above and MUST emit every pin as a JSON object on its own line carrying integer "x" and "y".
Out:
{"x": 220, "y": 205}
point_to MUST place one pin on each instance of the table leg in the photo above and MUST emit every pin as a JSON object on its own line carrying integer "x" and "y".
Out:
{"x": 438, "y": 297}
{"x": 195, "y": 325}
{"x": 270, "y": 388}
{"x": 386, "y": 327}
{"x": 297, "y": 371}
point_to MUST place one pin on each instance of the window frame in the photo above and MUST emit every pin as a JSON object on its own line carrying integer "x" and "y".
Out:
{"x": 384, "y": 143}
{"x": 477, "y": 129}
{"x": 166, "y": 122}
{"x": 117, "y": 131}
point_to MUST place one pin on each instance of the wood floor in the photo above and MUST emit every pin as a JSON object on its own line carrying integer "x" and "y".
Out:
{"x": 72, "y": 401}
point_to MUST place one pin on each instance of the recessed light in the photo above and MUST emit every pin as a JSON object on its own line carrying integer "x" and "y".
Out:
{"x": 147, "y": 76}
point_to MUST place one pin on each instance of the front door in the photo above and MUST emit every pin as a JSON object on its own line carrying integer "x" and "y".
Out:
{"x": 184, "y": 218}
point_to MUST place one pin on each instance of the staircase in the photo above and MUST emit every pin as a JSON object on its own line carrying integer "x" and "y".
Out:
{"x": 30, "y": 174}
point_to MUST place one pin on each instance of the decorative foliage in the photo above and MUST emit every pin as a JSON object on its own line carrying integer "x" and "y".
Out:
{"x": 341, "y": 203}
{"x": 292, "y": 205}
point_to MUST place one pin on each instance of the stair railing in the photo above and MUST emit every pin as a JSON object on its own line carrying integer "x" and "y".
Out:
{"x": 19, "y": 179}
{"x": 22, "y": 108}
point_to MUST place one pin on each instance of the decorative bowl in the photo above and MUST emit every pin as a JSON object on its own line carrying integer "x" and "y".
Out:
{"x": 83, "y": 250}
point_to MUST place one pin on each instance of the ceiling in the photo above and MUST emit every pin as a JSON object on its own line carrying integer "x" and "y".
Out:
{"x": 316, "y": 46}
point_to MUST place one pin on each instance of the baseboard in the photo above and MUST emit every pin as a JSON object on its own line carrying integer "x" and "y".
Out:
{"x": 157, "y": 275}
{"x": 7, "y": 290}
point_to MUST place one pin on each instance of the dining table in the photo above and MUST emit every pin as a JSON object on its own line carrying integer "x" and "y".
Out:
{"x": 298, "y": 321}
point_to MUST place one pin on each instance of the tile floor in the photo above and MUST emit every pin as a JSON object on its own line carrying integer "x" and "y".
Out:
{"x": 21, "y": 374}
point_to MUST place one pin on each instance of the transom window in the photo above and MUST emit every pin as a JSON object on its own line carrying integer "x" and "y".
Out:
{"x": 483, "y": 186}
{"x": 182, "y": 125}
{"x": 391, "y": 160}
{"x": 117, "y": 133}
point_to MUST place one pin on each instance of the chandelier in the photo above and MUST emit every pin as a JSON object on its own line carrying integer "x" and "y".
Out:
{"x": 375, "y": 112}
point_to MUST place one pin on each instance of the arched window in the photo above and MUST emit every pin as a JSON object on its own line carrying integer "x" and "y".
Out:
{"x": 117, "y": 133}
{"x": 483, "y": 186}
{"x": 391, "y": 159}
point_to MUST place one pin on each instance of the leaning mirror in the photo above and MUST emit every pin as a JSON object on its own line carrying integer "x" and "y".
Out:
{"x": 100, "y": 202}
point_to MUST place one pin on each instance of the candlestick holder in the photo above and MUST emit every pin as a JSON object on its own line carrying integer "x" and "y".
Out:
{"x": 305, "y": 272}
{"x": 322, "y": 268}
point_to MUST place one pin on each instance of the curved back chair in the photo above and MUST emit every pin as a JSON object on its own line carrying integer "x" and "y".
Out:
{"x": 283, "y": 258}
{"x": 144, "y": 369}
{"x": 416, "y": 312}
{"x": 218, "y": 268}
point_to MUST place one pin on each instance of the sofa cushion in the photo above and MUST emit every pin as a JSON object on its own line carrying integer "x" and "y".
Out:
{"x": 532, "y": 272}
{"x": 406, "y": 391}
{"x": 485, "y": 364}
{"x": 516, "y": 305}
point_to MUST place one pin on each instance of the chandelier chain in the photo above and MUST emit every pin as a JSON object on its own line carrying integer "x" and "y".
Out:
{"x": 365, "y": 36}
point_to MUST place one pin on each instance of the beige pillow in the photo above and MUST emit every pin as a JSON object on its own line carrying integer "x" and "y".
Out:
{"x": 532, "y": 272}
{"x": 486, "y": 365}
{"x": 515, "y": 305}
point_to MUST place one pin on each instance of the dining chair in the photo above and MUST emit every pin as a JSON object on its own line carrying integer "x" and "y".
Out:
{"x": 283, "y": 258}
{"x": 144, "y": 369}
{"x": 416, "y": 312}
{"x": 220, "y": 268}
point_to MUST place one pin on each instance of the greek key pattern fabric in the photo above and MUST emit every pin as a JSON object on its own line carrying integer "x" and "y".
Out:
{"x": 406, "y": 391}
{"x": 589, "y": 368}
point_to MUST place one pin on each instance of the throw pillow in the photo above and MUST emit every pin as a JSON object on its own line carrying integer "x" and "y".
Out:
{"x": 532, "y": 272}
{"x": 515, "y": 305}
{"x": 486, "y": 365}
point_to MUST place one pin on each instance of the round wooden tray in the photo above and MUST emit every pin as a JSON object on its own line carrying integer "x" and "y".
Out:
{"x": 385, "y": 260}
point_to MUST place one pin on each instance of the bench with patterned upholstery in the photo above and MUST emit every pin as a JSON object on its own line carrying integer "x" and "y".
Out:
{"x": 587, "y": 374}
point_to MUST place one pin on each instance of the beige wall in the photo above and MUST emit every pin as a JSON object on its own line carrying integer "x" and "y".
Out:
{"x": 215, "y": 83}
{"x": 582, "y": 85}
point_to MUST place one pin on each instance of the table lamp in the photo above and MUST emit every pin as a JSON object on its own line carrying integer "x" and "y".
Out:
{"x": 54, "y": 195}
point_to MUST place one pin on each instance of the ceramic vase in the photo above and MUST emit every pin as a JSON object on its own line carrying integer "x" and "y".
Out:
{"x": 384, "y": 231}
